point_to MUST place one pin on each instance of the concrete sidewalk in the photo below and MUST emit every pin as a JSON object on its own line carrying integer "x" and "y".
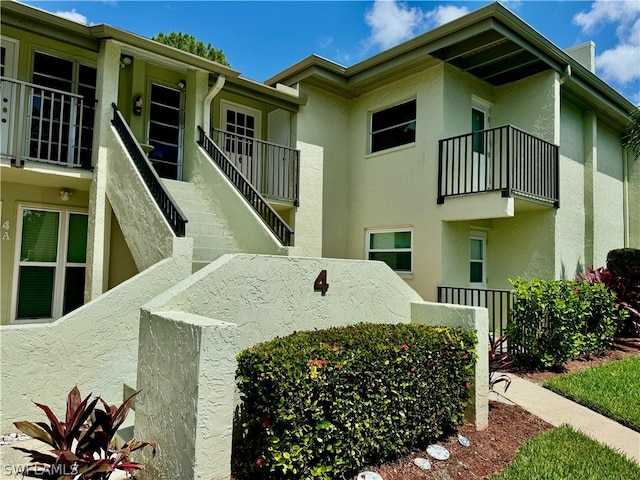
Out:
{"x": 558, "y": 410}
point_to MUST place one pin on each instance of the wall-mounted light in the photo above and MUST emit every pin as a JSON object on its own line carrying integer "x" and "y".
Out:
{"x": 66, "y": 194}
{"x": 125, "y": 60}
{"x": 182, "y": 84}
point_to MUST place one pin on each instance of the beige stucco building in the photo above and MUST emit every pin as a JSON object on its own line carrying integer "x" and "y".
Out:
{"x": 472, "y": 154}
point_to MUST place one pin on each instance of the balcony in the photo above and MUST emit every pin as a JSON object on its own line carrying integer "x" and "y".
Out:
{"x": 503, "y": 159}
{"x": 272, "y": 169}
{"x": 45, "y": 125}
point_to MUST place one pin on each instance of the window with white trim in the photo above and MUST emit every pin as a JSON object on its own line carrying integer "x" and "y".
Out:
{"x": 392, "y": 126}
{"x": 393, "y": 247}
{"x": 477, "y": 259}
{"x": 50, "y": 262}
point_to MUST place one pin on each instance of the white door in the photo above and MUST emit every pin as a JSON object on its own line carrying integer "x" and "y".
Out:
{"x": 8, "y": 52}
{"x": 479, "y": 170}
{"x": 243, "y": 126}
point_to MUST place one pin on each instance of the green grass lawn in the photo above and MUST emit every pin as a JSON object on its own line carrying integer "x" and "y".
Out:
{"x": 612, "y": 389}
{"x": 565, "y": 454}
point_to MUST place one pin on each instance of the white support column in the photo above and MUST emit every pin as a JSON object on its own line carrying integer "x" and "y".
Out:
{"x": 99, "y": 210}
{"x": 196, "y": 91}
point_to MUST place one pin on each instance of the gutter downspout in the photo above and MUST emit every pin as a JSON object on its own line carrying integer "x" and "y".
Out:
{"x": 626, "y": 158}
{"x": 206, "y": 111}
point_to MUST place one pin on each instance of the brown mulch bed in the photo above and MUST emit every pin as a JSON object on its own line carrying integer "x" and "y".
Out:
{"x": 493, "y": 449}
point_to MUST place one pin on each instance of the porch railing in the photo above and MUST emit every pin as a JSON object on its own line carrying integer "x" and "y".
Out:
{"x": 273, "y": 170}
{"x": 499, "y": 303}
{"x": 505, "y": 159}
{"x": 45, "y": 125}
{"x": 170, "y": 209}
{"x": 277, "y": 225}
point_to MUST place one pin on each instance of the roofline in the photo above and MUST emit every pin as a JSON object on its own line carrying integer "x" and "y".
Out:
{"x": 96, "y": 33}
{"x": 502, "y": 19}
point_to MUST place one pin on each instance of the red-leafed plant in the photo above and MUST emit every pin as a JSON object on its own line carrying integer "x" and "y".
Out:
{"x": 626, "y": 285}
{"x": 82, "y": 444}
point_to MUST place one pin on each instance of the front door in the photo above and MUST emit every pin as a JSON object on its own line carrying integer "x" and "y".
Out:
{"x": 479, "y": 170}
{"x": 8, "y": 51}
{"x": 243, "y": 125}
{"x": 166, "y": 130}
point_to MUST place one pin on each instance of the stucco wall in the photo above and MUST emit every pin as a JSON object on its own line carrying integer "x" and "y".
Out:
{"x": 608, "y": 215}
{"x": 95, "y": 347}
{"x": 324, "y": 120}
{"x": 187, "y": 369}
{"x": 269, "y": 296}
{"x": 121, "y": 263}
{"x": 12, "y": 195}
{"x": 143, "y": 225}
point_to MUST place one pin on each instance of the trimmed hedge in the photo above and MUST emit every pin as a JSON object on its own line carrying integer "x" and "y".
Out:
{"x": 621, "y": 260}
{"x": 323, "y": 404}
{"x": 555, "y": 321}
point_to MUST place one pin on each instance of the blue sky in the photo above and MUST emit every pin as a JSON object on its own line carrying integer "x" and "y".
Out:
{"x": 262, "y": 38}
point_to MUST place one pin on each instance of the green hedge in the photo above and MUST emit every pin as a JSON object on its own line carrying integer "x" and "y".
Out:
{"x": 621, "y": 260}
{"x": 323, "y": 404}
{"x": 555, "y": 321}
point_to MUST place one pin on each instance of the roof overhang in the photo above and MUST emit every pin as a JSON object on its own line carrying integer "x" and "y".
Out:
{"x": 491, "y": 43}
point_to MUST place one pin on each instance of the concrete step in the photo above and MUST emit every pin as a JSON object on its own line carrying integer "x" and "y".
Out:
{"x": 211, "y": 254}
{"x": 195, "y": 229}
{"x": 213, "y": 241}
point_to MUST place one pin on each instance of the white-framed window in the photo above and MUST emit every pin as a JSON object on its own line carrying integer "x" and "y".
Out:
{"x": 50, "y": 262}
{"x": 478, "y": 259}
{"x": 391, "y": 246}
{"x": 393, "y": 126}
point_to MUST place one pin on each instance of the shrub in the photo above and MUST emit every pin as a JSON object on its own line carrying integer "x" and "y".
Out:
{"x": 621, "y": 260}
{"x": 625, "y": 285}
{"x": 555, "y": 321}
{"x": 322, "y": 404}
{"x": 82, "y": 443}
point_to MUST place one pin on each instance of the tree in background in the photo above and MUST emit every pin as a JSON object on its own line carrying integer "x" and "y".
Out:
{"x": 632, "y": 136}
{"x": 190, "y": 44}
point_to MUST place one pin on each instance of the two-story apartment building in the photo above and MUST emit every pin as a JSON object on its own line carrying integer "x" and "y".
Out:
{"x": 472, "y": 154}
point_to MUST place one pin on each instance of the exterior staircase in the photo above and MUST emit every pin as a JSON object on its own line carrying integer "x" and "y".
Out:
{"x": 211, "y": 238}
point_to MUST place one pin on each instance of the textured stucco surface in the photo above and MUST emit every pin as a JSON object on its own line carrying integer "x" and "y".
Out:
{"x": 269, "y": 296}
{"x": 469, "y": 318}
{"x": 308, "y": 216}
{"x": 95, "y": 347}
{"x": 143, "y": 225}
{"x": 186, "y": 372}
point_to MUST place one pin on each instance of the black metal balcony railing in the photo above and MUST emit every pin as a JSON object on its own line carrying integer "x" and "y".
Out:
{"x": 277, "y": 225}
{"x": 46, "y": 125}
{"x": 170, "y": 209}
{"x": 499, "y": 303}
{"x": 503, "y": 159}
{"x": 272, "y": 169}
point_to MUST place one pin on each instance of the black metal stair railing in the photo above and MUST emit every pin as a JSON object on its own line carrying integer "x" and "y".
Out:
{"x": 271, "y": 218}
{"x": 170, "y": 209}
{"x": 505, "y": 159}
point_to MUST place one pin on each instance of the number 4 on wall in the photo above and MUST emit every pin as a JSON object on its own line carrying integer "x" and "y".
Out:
{"x": 321, "y": 283}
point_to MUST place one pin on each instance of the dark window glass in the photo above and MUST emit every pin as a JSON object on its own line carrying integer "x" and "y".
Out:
{"x": 393, "y": 127}
{"x": 35, "y": 292}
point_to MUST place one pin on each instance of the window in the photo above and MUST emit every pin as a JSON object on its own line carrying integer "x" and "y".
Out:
{"x": 391, "y": 247}
{"x": 51, "y": 264}
{"x": 477, "y": 259}
{"x": 393, "y": 126}
{"x": 61, "y": 130}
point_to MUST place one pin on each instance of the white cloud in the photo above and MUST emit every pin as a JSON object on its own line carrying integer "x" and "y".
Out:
{"x": 392, "y": 22}
{"x": 621, "y": 63}
{"x": 445, "y": 13}
{"x": 324, "y": 41}
{"x": 73, "y": 15}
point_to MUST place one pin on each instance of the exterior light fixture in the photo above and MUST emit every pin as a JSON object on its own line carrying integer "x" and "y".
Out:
{"x": 66, "y": 194}
{"x": 125, "y": 61}
{"x": 182, "y": 84}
